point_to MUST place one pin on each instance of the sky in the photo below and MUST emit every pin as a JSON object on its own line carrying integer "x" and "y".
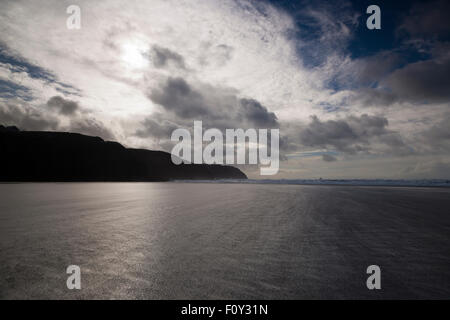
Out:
{"x": 349, "y": 102}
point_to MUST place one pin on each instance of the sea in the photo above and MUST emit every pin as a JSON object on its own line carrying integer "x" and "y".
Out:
{"x": 181, "y": 240}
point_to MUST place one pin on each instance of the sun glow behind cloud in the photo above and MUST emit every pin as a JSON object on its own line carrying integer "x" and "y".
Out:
{"x": 134, "y": 56}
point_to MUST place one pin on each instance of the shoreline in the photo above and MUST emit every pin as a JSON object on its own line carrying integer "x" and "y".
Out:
{"x": 337, "y": 183}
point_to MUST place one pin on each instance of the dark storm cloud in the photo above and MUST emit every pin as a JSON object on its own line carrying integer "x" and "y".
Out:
{"x": 337, "y": 133}
{"x": 422, "y": 82}
{"x": 257, "y": 114}
{"x": 63, "y": 106}
{"x": 417, "y": 71}
{"x": 161, "y": 57}
{"x": 394, "y": 140}
{"x": 177, "y": 96}
{"x": 440, "y": 50}
{"x": 428, "y": 18}
{"x": 26, "y": 118}
{"x": 350, "y": 135}
{"x": 218, "y": 107}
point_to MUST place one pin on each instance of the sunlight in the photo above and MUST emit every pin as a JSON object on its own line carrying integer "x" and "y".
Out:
{"x": 134, "y": 55}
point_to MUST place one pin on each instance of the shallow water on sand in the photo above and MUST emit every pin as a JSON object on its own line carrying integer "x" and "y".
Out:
{"x": 222, "y": 241}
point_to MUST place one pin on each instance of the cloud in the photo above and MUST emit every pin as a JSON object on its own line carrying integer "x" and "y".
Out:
{"x": 157, "y": 127}
{"x": 17, "y": 63}
{"x": 350, "y": 135}
{"x": 216, "y": 55}
{"x": 91, "y": 127}
{"x": 366, "y": 71}
{"x": 63, "y": 106}
{"x": 51, "y": 117}
{"x": 418, "y": 83}
{"x": 328, "y": 158}
{"x": 184, "y": 102}
{"x": 26, "y": 118}
{"x": 176, "y": 95}
{"x": 162, "y": 57}
{"x": 428, "y": 18}
{"x": 323, "y": 33}
{"x": 21, "y": 77}
{"x": 367, "y": 97}
{"x": 257, "y": 114}
{"x": 429, "y": 169}
{"x": 437, "y": 137}
{"x": 11, "y": 90}
{"x": 415, "y": 72}
{"x": 219, "y": 107}
{"x": 421, "y": 82}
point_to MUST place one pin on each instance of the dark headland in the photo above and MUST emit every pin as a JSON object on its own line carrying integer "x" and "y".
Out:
{"x": 32, "y": 156}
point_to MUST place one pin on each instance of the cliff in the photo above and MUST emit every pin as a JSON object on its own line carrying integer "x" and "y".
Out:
{"x": 61, "y": 156}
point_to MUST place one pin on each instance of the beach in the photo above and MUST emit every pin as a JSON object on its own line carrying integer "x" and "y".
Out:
{"x": 223, "y": 241}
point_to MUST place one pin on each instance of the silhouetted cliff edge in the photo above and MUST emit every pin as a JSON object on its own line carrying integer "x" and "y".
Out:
{"x": 61, "y": 156}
